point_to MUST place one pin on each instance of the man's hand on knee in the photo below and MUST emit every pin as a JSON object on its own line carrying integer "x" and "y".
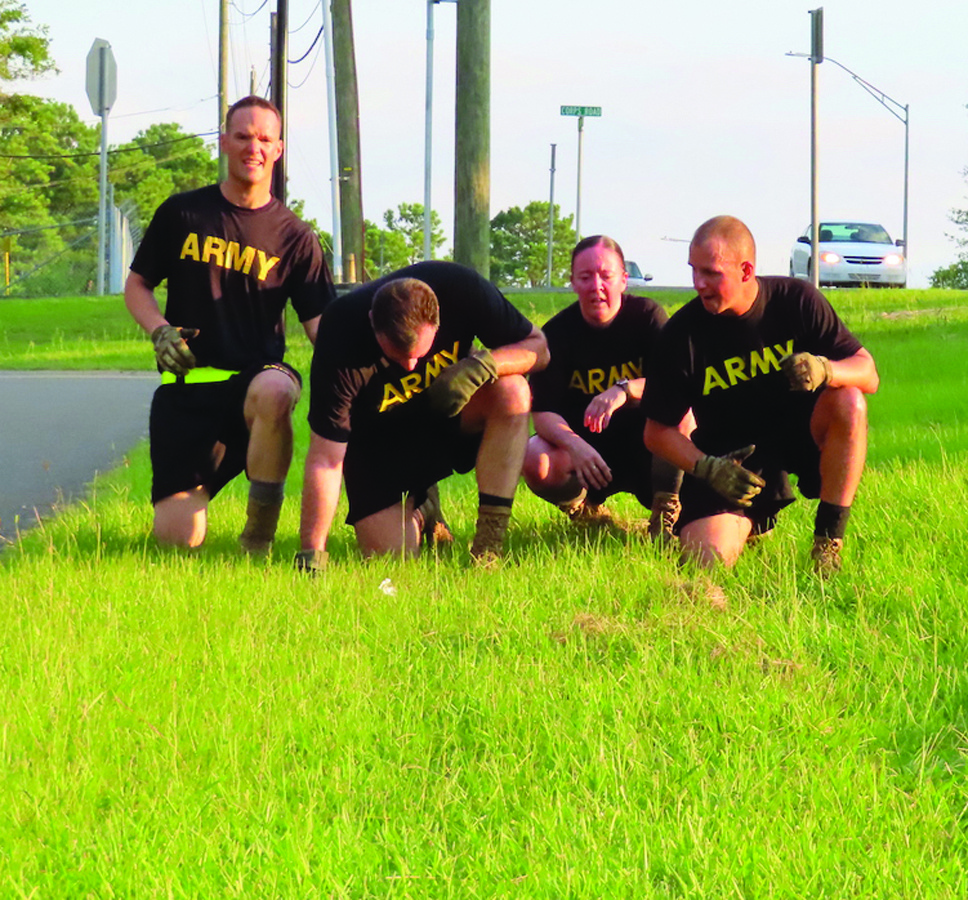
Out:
{"x": 454, "y": 387}
{"x": 727, "y": 477}
{"x": 171, "y": 350}
{"x": 806, "y": 372}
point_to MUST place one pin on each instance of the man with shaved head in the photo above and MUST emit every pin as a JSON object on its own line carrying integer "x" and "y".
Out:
{"x": 776, "y": 383}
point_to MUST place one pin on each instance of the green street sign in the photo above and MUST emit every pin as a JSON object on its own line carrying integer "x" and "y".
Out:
{"x": 581, "y": 110}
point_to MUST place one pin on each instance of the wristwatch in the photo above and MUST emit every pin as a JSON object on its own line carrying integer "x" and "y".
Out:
{"x": 624, "y": 385}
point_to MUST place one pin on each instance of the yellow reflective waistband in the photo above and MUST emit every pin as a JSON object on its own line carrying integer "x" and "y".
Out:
{"x": 198, "y": 375}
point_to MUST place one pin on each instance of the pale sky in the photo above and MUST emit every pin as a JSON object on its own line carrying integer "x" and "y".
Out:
{"x": 702, "y": 111}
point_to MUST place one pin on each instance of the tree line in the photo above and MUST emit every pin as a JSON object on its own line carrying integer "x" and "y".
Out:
{"x": 49, "y": 165}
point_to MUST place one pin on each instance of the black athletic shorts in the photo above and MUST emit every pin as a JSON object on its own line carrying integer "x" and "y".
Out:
{"x": 403, "y": 460}
{"x": 785, "y": 448}
{"x": 187, "y": 423}
{"x": 623, "y": 449}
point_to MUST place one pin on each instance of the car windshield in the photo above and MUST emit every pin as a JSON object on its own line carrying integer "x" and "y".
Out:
{"x": 633, "y": 269}
{"x": 845, "y": 232}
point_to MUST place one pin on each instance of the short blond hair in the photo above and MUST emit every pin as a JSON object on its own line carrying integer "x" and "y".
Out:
{"x": 732, "y": 232}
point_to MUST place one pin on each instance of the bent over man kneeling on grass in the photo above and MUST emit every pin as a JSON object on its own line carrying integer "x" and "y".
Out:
{"x": 400, "y": 398}
{"x": 776, "y": 383}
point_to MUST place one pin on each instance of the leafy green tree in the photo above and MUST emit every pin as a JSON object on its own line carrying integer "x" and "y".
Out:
{"x": 386, "y": 251}
{"x": 325, "y": 238}
{"x": 519, "y": 246}
{"x": 953, "y": 276}
{"x": 24, "y": 47}
{"x": 48, "y": 189}
{"x": 408, "y": 220}
{"x": 161, "y": 160}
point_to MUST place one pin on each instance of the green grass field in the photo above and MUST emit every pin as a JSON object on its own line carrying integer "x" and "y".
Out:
{"x": 579, "y": 723}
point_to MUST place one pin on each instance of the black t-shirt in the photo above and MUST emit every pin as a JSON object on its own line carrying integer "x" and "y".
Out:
{"x": 230, "y": 272}
{"x": 354, "y": 389}
{"x": 586, "y": 361}
{"x": 726, "y": 368}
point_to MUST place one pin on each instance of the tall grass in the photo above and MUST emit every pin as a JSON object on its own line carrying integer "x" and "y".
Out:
{"x": 580, "y": 722}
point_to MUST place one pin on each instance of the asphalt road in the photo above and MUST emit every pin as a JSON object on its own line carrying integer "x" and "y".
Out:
{"x": 57, "y": 431}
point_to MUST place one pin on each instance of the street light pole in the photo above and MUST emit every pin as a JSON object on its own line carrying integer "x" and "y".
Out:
{"x": 816, "y": 57}
{"x": 428, "y": 126}
{"x": 900, "y": 111}
{"x": 895, "y": 109}
{"x": 551, "y": 215}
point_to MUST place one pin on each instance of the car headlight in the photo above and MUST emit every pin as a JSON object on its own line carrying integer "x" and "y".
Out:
{"x": 829, "y": 257}
{"x": 893, "y": 259}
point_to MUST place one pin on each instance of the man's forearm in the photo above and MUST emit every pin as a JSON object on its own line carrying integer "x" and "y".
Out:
{"x": 671, "y": 445}
{"x": 139, "y": 298}
{"x": 553, "y": 428}
{"x": 311, "y": 327}
{"x": 857, "y": 371}
{"x": 529, "y": 355}
{"x": 321, "y": 484}
{"x": 319, "y": 499}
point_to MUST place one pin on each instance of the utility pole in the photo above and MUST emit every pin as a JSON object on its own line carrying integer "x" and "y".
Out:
{"x": 348, "y": 133}
{"x": 280, "y": 69}
{"x": 472, "y": 166}
{"x": 334, "y": 182}
{"x": 223, "y": 82}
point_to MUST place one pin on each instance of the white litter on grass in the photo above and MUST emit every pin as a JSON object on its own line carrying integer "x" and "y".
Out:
{"x": 388, "y": 587}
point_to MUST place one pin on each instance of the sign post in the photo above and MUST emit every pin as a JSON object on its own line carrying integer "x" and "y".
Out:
{"x": 581, "y": 112}
{"x": 102, "y": 91}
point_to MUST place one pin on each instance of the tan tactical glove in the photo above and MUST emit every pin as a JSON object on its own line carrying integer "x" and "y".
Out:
{"x": 171, "y": 350}
{"x": 727, "y": 477}
{"x": 311, "y": 561}
{"x": 453, "y": 388}
{"x": 806, "y": 372}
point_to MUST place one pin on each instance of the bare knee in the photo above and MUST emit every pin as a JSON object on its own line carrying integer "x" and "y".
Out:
{"x": 390, "y": 531}
{"x": 510, "y": 395}
{"x": 537, "y": 462}
{"x": 716, "y": 540}
{"x": 271, "y": 397}
{"x": 842, "y": 410}
{"x": 181, "y": 520}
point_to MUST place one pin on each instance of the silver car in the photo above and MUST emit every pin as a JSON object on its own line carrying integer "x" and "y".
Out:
{"x": 852, "y": 254}
{"x": 636, "y": 278}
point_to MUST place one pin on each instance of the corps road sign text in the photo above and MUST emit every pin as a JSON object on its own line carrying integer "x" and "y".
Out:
{"x": 581, "y": 110}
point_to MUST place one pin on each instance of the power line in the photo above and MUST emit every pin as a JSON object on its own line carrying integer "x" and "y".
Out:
{"x": 319, "y": 34}
{"x": 309, "y": 19}
{"x": 246, "y": 15}
{"x": 151, "y": 112}
{"x": 137, "y": 147}
{"x": 89, "y": 221}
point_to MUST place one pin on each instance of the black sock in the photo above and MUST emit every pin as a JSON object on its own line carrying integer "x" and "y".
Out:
{"x": 831, "y": 520}
{"x": 665, "y": 476}
{"x": 493, "y": 500}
